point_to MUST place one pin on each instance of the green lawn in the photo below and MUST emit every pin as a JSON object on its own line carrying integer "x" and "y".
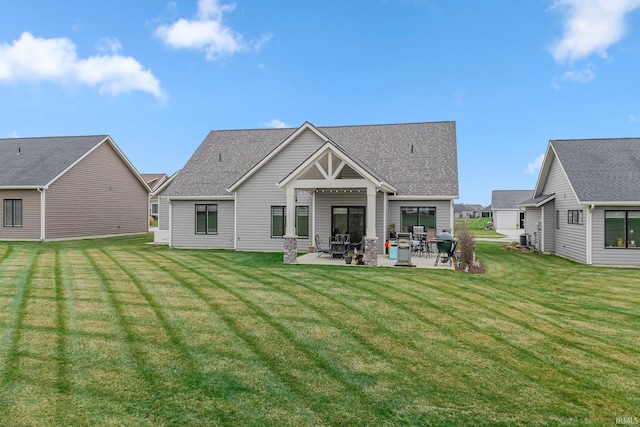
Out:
{"x": 478, "y": 226}
{"x": 119, "y": 332}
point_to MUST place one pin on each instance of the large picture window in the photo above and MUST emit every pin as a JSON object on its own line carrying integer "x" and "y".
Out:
{"x": 13, "y": 212}
{"x": 621, "y": 228}
{"x": 206, "y": 219}
{"x": 410, "y": 216}
{"x": 279, "y": 221}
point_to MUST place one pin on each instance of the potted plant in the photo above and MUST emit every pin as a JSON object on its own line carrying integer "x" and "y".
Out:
{"x": 348, "y": 258}
{"x": 620, "y": 243}
{"x": 392, "y": 230}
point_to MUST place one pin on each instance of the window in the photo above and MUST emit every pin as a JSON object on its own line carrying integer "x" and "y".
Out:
{"x": 620, "y": 228}
{"x": 154, "y": 209}
{"x": 206, "y": 219}
{"x": 575, "y": 217}
{"x": 279, "y": 221}
{"x": 302, "y": 221}
{"x": 557, "y": 220}
{"x": 278, "y": 217}
{"x": 13, "y": 212}
{"x": 410, "y": 216}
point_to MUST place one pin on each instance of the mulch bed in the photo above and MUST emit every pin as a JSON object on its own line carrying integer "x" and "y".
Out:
{"x": 473, "y": 269}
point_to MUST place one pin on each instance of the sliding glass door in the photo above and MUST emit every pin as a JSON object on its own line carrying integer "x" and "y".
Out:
{"x": 348, "y": 220}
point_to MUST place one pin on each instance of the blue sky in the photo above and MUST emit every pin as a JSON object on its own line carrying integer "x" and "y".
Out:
{"x": 157, "y": 76}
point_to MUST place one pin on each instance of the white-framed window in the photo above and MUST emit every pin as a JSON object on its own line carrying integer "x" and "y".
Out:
{"x": 13, "y": 212}
{"x": 206, "y": 219}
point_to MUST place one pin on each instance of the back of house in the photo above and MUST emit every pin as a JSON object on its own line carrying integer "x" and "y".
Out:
{"x": 251, "y": 189}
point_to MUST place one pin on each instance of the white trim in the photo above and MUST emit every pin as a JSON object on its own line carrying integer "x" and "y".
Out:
{"x": 274, "y": 152}
{"x": 164, "y": 185}
{"x": 235, "y": 221}
{"x": 616, "y": 204}
{"x": 170, "y": 223}
{"x": 408, "y": 197}
{"x": 589, "y": 239}
{"x": 231, "y": 197}
{"x": 330, "y": 180}
{"x": 385, "y": 215}
{"x": 313, "y": 219}
{"x": 42, "y": 213}
{"x": 452, "y": 219}
{"x": 23, "y": 187}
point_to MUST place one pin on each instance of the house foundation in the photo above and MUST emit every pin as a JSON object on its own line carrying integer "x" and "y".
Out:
{"x": 290, "y": 249}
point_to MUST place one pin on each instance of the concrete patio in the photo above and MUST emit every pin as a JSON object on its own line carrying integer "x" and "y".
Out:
{"x": 383, "y": 261}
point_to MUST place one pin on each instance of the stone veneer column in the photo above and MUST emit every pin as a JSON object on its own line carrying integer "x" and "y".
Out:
{"x": 371, "y": 251}
{"x": 290, "y": 249}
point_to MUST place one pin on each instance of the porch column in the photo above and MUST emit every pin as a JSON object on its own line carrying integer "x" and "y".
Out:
{"x": 371, "y": 211}
{"x": 290, "y": 237}
{"x": 371, "y": 240}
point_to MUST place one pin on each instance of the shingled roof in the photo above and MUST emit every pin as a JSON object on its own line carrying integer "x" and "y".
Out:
{"x": 35, "y": 162}
{"x": 509, "y": 199}
{"x": 601, "y": 170}
{"x": 384, "y": 150}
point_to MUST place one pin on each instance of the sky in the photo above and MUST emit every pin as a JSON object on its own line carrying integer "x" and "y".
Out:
{"x": 157, "y": 76}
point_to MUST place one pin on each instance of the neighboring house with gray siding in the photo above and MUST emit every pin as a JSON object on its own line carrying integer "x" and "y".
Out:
{"x": 56, "y": 188}
{"x": 586, "y": 204}
{"x": 507, "y": 215}
{"x": 254, "y": 189}
{"x": 154, "y": 182}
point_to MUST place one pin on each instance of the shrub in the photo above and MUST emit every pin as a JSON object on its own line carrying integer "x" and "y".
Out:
{"x": 466, "y": 245}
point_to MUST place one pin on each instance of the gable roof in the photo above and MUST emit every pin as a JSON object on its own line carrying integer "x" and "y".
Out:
{"x": 38, "y": 162}
{"x": 599, "y": 170}
{"x": 154, "y": 180}
{"x": 226, "y": 158}
{"x": 509, "y": 199}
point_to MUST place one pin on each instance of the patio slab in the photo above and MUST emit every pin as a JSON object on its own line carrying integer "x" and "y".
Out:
{"x": 383, "y": 261}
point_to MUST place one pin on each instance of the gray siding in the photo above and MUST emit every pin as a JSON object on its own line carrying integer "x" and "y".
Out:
{"x": 549, "y": 226}
{"x": 256, "y": 196}
{"x": 163, "y": 213}
{"x": 570, "y": 239}
{"x": 99, "y": 196}
{"x": 30, "y": 229}
{"x": 443, "y": 212}
{"x": 183, "y": 225}
{"x": 610, "y": 256}
{"x": 531, "y": 219}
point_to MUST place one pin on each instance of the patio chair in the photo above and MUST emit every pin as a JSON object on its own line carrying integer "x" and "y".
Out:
{"x": 321, "y": 248}
{"x": 429, "y": 241}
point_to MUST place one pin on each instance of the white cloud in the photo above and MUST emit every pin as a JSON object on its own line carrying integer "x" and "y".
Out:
{"x": 274, "y": 123}
{"x": 13, "y": 134}
{"x": 58, "y": 62}
{"x": 109, "y": 45}
{"x": 534, "y": 167}
{"x": 634, "y": 119}
{"x": 581, "y": 76}
{"x": 206, "y": 32}
{"x": 591, "y": 26}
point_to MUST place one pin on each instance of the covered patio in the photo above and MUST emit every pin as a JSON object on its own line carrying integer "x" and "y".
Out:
{"x": 383, "y": 261}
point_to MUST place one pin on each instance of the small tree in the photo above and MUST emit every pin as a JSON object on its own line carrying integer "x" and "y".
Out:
{"x": 466, "y": 245}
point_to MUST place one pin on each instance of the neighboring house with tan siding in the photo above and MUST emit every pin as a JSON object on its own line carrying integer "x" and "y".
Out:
{"x": 586, "y": 204}
{"x": 55, "y": 188}
{"x": 275, "y": 189}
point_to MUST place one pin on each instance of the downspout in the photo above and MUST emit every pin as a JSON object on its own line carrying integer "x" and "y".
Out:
{"x": 385, "y": 208}
{"x": 590, "y": 234}
{"x": 42, "y": 213}
{"x": 452, "y": 218}
{"x": 313, "y": 219}
{"x": 235, "y": 220}
{"x": 170, "y": 223}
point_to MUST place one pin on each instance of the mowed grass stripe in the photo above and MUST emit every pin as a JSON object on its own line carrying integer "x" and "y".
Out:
{"x": 294, "y": 408}
{"x": 286, "y": 353}
{"x": 521, "y": 365}
{"x": 460, "y": 377}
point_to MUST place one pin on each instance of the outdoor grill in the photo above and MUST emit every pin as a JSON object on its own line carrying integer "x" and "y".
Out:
{"x": 446, "y": 247}
{"x": 404, "y": 249}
